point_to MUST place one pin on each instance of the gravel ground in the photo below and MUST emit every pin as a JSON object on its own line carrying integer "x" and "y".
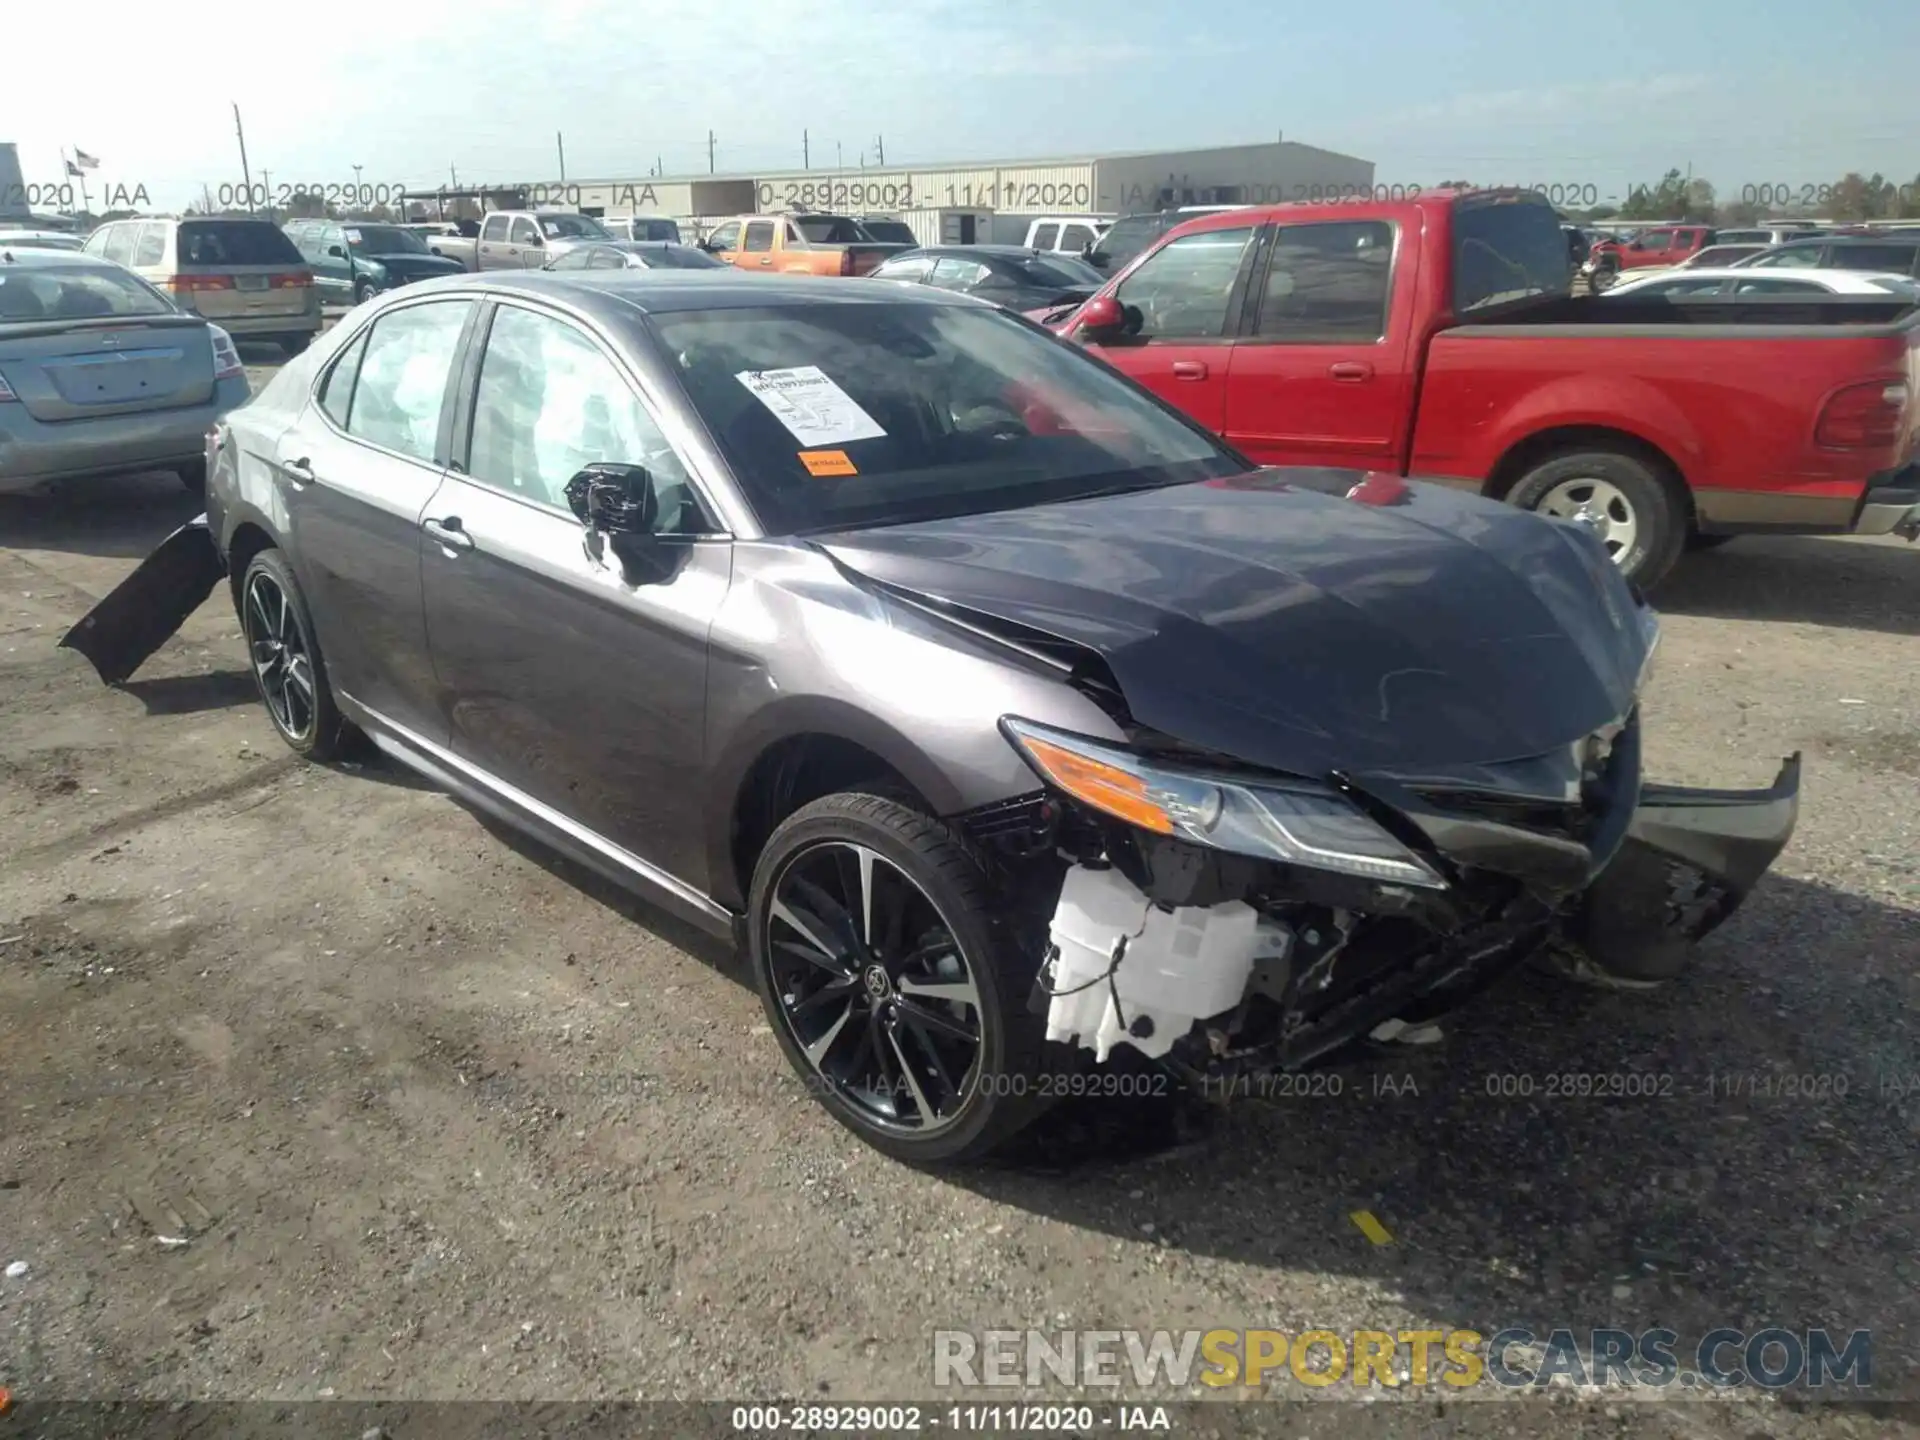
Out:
{"x": 436, "y": 1115}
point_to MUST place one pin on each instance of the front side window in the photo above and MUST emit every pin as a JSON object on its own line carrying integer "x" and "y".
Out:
{"x": 1792, "y": 257}
{"x": 1656, "y": 242}
{"x": 1182, "y": 289}
{"x": 834, "y": 416}
{"x": 403, "y": 377}
{"x": 1044, "y": 236}
{"x": 1328, "y": 283}
{"x": 495, "y": 228}
{"x": 523, "y": 233}
{"x": 551, "y": 403}
{"x": 727, "y": 237}
{"x": 759, "y": 236}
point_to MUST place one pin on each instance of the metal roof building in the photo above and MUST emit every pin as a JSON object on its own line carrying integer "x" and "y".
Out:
{"x": 1110, "y": 184}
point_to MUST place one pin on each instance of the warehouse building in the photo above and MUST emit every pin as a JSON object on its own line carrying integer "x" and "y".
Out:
{"x": 1116, "y": 184}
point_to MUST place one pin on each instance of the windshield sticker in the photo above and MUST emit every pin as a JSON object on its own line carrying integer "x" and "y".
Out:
{"x": 353, "y": 237}
{"x": 814, "y": 409}
{"x": 827, "y": 462}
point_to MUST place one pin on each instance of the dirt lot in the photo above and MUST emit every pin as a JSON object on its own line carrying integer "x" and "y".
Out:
{"x": 436, "y": 1116}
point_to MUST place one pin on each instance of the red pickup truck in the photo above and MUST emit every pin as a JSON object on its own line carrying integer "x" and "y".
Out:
{"x": 1439, "y": 337}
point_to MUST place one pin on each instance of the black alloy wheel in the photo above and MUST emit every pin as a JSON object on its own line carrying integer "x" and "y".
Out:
{"x": 286, "y": 662}
{"x": 888, "y": 981}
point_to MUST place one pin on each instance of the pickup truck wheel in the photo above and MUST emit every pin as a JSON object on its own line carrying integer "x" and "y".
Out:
{"x": 891, "y": 981}
{"x": 362, "y": 292}
{"x": 1634, "y": 508}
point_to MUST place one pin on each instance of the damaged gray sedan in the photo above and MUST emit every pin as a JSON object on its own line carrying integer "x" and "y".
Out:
{"x": 1010, "y": 721}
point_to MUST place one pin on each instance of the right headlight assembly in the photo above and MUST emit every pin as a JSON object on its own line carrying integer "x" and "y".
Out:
{"x": 1297, "y": 825}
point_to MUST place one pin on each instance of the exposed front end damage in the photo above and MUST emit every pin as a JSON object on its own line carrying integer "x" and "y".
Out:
{"x": 1372, "y": 904}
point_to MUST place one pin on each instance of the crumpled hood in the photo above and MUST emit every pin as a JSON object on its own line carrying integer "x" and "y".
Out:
{"x": 1270, "y": 618}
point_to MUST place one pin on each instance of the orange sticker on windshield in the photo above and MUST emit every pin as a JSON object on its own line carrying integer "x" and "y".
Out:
{"x": 827, "y": 462}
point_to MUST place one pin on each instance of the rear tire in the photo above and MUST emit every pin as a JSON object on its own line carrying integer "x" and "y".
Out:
{"x": 288, "y": 669}
{"x": 294, "y": 345}
{"x": 882, "y": 1011}
{"x": 1644, "y": 508}
{"x": 363, "y": 291}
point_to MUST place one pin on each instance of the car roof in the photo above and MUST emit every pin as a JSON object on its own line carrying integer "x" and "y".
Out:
{"x": 665, "y": 292}
{"x": 1838, "y": 279}
{"x": 34, "y": 258}
{"x": 1005, "y": 252}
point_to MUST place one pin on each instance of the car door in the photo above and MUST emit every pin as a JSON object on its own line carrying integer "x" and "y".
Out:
{"x": 724, "y": 243}
{"x": 355, "y": 476}
{"x": 1321, "y": 375}
{"x": 1189, "y": 294}
{"x": 561, "y": 676}
{"x": 525, "y": 246}
{"x": 1650, "y": 247}
{"x": 490, "y": 250}
{"x": 756, "y": 248}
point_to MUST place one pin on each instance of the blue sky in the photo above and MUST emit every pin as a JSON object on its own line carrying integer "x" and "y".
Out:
{"x": 1584, "y": 94}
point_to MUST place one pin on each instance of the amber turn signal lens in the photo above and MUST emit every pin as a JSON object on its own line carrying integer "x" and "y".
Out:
{"x": 1105, "y": 787}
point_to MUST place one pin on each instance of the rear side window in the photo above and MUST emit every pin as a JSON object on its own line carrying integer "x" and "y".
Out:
{"x": 1043, "y": 237}
{"x": 495, "y": 228}
{"x": 1898, "y": 259}
{"x": 151, "y": 248}
{"x": 336, "y": 391}
{"x": 1328, "y": 283}
{"x": 759, "y": 236}
{"x": 235, "y": 242}
{"x": 1076, "y": 238}
{"x": 1506, "y": 249}
{"x": 403, "y": 377}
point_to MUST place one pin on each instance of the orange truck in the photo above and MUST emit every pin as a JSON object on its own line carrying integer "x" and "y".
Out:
{"x": 798, "y": 244}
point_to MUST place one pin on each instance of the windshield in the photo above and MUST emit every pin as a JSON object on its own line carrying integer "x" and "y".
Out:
{"x": 82, "y": 293}
{"x": 571, "y": 227}
{"x": 1128, "y": 236}
{"x": 828, "y": 230}
{"x": 1506, "y": 249}
{"x": 891, "y": 232}
{"x": 385, "y": 240}
{"x": 1058, "y": 272}
{"x": 839, "y": 416}
{"x": 679, "y": 257}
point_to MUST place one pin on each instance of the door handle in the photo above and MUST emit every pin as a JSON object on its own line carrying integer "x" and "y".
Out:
{"x": 300, "y": 471}
{"x": 1350, "y": 370}
{"x": 767, "y": 261}
{"x": 448, "y": 532}
{"x": 1189, "y": 369}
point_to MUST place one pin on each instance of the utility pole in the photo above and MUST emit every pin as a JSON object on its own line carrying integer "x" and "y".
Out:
{"x": 839, "y": 159}
{"x": 560, "y": 145}
{"x": 880, "y": 149}
{"x": 240, "y": 131}
{"x": 806, "y": 162}
{"x": 710, "y": 169}
{"x": 266, "y": 188}
{"x": 453, "y": 172}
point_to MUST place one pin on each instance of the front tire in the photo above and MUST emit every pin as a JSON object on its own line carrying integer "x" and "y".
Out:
{"x": 363, "y": 291}
{"x": 1643, "y": 512}
{"x": 891, "y": 979}
{"x": 288, "y": 669}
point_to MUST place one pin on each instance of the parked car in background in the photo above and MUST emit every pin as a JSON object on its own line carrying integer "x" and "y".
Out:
{"x": 1008, "y": 275}
{"x": 798, "y": 244}
{"x": 643, "y": 227}
{"x": 528, "y": 239}
{"x": 680, "y": 595}
{"x": 455, "y": 239}
{"x": 1579, "y": 245}
{"x": 635, "y": 255}
{"x": 1658, "y": 245}
{"x": 1438, "y": 336}
{"x": 241, "y": 273}
{"x": 1066, "y": 234}
{"x": 1719, "y": 253}
{"x": 352, "y": 261}
{"x": 887, "y": 229}
{"x": 1130, "y": 234}
{"x": 39, "y": 240}
{"x": 100, "y": 373}
{"x": 1734, "y": 280}
{"x": 1888, "y": 254}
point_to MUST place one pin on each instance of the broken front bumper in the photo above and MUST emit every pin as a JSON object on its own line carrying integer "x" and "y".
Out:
{"x": 1689, "y": 858}
{"x": 139, "y": 614}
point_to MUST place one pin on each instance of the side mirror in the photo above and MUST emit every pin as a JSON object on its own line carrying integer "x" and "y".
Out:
{"x": 614, "y": 499}
{"x": 1101, "y": 318}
